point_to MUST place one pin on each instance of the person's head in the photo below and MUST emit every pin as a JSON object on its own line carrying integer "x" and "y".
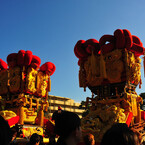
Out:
{"x": 41, "y": 140}
{"x": 35, "y": 139}
{"x": 5, "y": 133}
{"x": 89, "y": 139}
{"x": 52, "y": 139}
{"x": 120, "y": 134}
{"x": 68, "y": 124}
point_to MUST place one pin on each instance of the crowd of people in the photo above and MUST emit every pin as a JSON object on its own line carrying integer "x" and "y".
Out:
{"x": 68, "y": 128}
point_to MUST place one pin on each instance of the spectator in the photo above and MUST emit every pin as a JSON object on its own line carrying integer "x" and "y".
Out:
{"x": 89, "y": 139}
{"x": 52, "y": 140}
{"x": 5, "y": 133}
{"x": 34, "y": 139}
{"x": 41, "y": 140}
{"x": 56, "y": 113}
{"x": 68, "y": 128}
{"x": 120, "y": 134}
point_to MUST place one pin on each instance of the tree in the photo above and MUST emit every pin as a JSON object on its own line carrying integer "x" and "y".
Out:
{"x": 143, "y": 97}
{"x": 83, "y": 106}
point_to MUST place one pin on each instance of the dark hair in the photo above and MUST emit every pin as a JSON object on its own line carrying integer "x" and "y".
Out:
{"x": 65, "y": 123}
{"x": 88, "y": 139}
{"x": 41, "y": 140}
{"x": 34, "y": 138}
{"x": 14, "y": 130}
{"x": 5, "y": 132}
{"x": 119, "y": 134}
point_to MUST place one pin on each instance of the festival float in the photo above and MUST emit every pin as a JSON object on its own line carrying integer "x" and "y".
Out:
{"x": 24, "y": 87}
{"x": 111, "y": 69}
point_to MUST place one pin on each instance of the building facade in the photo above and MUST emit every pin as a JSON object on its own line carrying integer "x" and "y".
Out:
{"x": 66, "y": 104}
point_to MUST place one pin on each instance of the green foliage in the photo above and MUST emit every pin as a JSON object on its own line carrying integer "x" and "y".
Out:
{"x": 85, "y": 113}
{"x": 83, "y": 106}
{"x": 142, "y": 95}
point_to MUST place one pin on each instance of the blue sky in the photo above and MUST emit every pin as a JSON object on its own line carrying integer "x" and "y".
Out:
{"x": 51, "y": 28}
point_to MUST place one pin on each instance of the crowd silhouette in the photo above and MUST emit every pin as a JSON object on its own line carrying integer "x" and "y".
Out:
{"x": 68, "y": 128}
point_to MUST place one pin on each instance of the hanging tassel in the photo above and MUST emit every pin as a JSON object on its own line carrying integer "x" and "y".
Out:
{"x": 126, "y": 65}
{"x": 94, "y": 69}
{"x": 140, "y": 83}
{"x": 103, "y": 73}
{"x": 49, "y": 84}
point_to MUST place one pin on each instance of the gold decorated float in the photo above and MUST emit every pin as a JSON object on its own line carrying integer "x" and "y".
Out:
{"x": 24, "y": 87}
{"x": 111, "y": 69}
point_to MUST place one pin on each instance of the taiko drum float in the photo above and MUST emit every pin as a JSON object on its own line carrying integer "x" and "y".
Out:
{"x": 111, "y": 69}
{"x": 24, "y": 87}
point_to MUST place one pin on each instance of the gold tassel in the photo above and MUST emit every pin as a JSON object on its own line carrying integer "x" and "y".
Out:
{"x": 21, "y": 114}
{"x": 30, "y": 104}
{"x": 140, "y": 83}
{"x": 41, "y": 116}
{"x": 49, "y": 84}
{"x": 93, "y": 64}
{"x": 126, "y": 65}
{"x": 103, "y": 73}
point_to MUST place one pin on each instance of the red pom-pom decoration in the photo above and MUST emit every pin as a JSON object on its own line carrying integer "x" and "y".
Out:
{"x": 20, "y": 58}
{"x": 120, "y": 38}
{"x": 136, "y": 40}
{"x": 91, "y": 49}
{"x": 28, "y": 58}
{"x": 36, "y": 61}
{"x": 12, "y": 59}
{"x": 80, "y": 49}
{"x": 137, "y": 49}
{"x": 48, "y": 68}
{"x": 128, "y": 42}
{"x": 76, "y": 53}
{"x": 128, "y": 39}
{"x": 106, "y": 38}
{"x": 92, "y": 42}
{"x": 107, "y": 48}
{"x": 3, "y": 64}
{"x": 92, "y": 45}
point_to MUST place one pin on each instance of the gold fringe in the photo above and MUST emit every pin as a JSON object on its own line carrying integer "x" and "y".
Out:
{"x": 140, "y": 83}
{"x": 49, "y": 84}
{"x": 103, "y": 73}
